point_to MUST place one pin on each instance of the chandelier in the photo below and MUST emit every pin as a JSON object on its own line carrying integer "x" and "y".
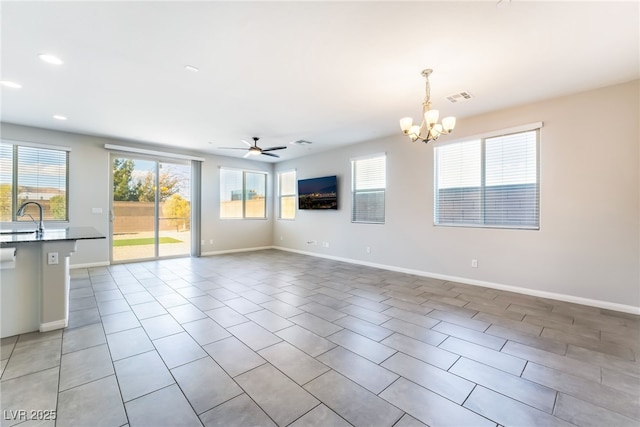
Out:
{"x": 429, "y": 129}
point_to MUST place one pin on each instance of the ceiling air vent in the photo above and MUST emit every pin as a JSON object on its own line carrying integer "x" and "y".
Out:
{"x": 301, "y": 142}
{"x": 459, "y": 97}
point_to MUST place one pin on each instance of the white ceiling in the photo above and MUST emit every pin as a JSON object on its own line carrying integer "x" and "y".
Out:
{"x": 332, "y": 73}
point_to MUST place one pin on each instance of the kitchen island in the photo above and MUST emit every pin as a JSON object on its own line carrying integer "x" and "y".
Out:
{"x": 35, "y": 282}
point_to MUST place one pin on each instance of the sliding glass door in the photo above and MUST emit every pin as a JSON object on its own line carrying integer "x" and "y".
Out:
{"x": 174, "y": 209}
{"x": 150, "y": 208}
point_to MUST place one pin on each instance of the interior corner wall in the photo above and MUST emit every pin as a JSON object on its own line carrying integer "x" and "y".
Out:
{"x": 89, "y": 188}
{"x": 588, "y": 245}
{"x": 225, "y": 235}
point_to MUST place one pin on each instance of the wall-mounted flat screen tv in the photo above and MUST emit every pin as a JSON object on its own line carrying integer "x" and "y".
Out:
{"x": 318, "y": 193}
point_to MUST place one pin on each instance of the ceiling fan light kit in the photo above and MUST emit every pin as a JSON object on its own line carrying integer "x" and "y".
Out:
{"x": 429, "y": 129}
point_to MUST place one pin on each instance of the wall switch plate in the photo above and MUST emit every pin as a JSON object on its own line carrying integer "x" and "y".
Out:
{"x": 474, "y": 263}
{"x": 52, "y": 258}
{"x": 368, "y": 249}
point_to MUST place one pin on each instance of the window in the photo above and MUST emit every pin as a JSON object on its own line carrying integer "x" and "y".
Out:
{"x": 242, "y": 194}
{"x": 369, "y": 179}
{"x": 491, "y": 181}
{"x": 287, "y": 195}
{"x": 30, "y": 173}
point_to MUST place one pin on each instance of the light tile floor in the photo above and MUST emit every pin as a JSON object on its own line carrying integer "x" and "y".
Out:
{"x": 273, "y": 338}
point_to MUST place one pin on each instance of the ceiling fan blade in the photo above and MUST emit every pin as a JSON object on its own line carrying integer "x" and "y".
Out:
{"x": 247, "y": 155}
{"x": 269, "y": 154}
{"x": 231, "y": 148}
{"x": 274, "y": 148}
{"x": 248, "y": 143}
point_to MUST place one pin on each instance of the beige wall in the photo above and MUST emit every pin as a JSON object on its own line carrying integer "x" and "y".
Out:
{"x": 588, "y": 245}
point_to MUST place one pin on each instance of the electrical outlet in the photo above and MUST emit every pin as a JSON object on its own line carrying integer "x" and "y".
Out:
{"x": 474, "y": 263}
{"x": 325, "y": 244}
{"x": 52, "y": 258}
{"x": 281, "y": 237}
{"x": 368, "y": 249}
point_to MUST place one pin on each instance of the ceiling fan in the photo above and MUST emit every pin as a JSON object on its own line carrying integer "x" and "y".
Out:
{"x": 255, "y": 150}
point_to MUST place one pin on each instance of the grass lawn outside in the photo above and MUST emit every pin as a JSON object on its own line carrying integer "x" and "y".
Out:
{"x": 144, "y": 241}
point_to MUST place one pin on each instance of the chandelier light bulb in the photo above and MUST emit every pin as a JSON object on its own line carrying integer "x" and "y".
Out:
{"x": 449, "y": 123}
{"x": 431, "y": 117}
{"x": 405, "y": 124}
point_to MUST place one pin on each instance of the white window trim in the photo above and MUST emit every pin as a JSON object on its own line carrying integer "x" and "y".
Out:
{"x": 369, "y": 156}
{"x": 495, "y": 133}
{"x": 35, "y": 145}
{"x": 173, "y": 156}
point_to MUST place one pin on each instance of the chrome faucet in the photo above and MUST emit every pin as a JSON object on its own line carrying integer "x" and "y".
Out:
{"x": 21, "y": 212}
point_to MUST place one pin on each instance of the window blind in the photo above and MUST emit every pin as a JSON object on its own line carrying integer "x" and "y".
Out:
{"x": 458, "y": 183}
{"x": 33, "y": 173}
{"x": 7, "y": 202}
{"x": 488, "y": 182}
{"x": 254, "y": 195}
{"x": 242, "y": 194}
{"x": 287, "y": 195}
{"x": 231, "y": 193}
{"x": 511, "y": 180}
{"x": 369, "y": 179}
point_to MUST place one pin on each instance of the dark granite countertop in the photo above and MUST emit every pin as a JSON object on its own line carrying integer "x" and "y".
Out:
{"x": 49, "y": 235}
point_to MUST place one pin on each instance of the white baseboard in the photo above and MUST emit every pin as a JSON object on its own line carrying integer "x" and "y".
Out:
{"x": 89, "y": 265}
{"x": 52, "y": 326}
{"x": 232, "y": 251}
{"x": 526, "y": 291}
{"x": 226, "y": 251}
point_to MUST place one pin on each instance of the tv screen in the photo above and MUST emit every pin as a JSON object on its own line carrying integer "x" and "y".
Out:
{"x": 318, "y": 193}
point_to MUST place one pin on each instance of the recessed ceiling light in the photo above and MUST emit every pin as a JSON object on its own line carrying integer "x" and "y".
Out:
{"x": 59, "y": 117}
{"x": 10, "y": 84}
{"x": 191, "y": 68}
{"x": 50, "y": 59}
